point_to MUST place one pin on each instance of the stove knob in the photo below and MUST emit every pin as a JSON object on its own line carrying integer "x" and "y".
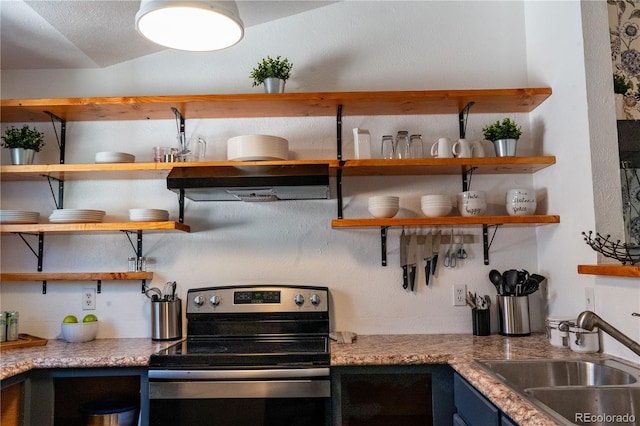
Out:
{"x": 198, "y": 300}
{"x": 215, "y": 300}
{"x": 315, "y": 299}
{"x": 298, "y": 299}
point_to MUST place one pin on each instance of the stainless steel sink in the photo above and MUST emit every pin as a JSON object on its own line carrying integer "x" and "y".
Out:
{"x": 541, "y": 373}
{"x": 575, "y": 392}
{"x": 592, "y": 405}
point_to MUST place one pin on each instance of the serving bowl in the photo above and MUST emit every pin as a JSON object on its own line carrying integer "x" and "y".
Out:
{"x": 383, "y": 211}
{"x": 521, "y": 208}
{"x": 79, "y": 332}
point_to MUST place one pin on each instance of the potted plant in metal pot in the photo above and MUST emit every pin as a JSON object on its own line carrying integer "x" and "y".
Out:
{"x": 273, "y": 73}
{"x": 504, "y": 136}
{"x": 23, "y": 143}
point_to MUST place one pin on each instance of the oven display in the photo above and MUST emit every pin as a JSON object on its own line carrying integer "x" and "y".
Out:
{"x": 249, "y": 297}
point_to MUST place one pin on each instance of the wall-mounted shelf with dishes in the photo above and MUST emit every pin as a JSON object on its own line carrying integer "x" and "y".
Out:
{"x": 76, "y": 276}
{"x": 314, "y": 104}
{"x": 628, "y": 271}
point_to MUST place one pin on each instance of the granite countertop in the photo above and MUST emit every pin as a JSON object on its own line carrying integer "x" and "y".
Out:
{"x": 457, "y": 350}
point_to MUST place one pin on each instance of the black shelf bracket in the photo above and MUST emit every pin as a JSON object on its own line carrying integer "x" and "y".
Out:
{"x": 339, "y": 189}
{"x": 40, "y": 252}
{"x": 137, "y": 248}
{"x": 44, "y": 286}
{"x": 181, "y": 206}
{"x": 462, "y": 119}
{"x": 99, "y": 286}
{"x": 144, "y": 286}
{"x": 486, "y": 242}
{"x": 466, "y": 178}
{"x": 59, "y": 202}
{"x": 383, "y": 244}
{"x": 62, "y": 147}
{"x": 339, "y": 132}
{"x": 340, "y": 161}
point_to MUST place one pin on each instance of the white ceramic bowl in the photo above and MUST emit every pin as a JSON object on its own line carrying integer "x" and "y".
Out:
{"x": 472, "y": 195}
{"x": 436, "y": 211}
{"x": 520, "y": 209}
{"x": 79, "y": 332}
{"x": 476, "y": 208}
{"x": 384, "y": 200}
{"x": 520, "y": 195}
{"x": 257, "y": 148}
{"x": 383, "y": 211}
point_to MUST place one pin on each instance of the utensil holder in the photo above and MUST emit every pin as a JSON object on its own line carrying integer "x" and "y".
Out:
{"x": 481, "y": 319}
{"x": 166, "y": 320}
{"x": 513, "y": 312}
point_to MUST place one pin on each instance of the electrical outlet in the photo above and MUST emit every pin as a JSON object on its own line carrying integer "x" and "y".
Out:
{"x": 459, "y": 294}
{"x": 88, "y": 299}
{"x": 589, "y": 299}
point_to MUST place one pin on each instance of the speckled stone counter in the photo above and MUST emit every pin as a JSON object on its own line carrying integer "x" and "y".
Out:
{"x": 97, "y": 353}
{"x": 459, "y": 351}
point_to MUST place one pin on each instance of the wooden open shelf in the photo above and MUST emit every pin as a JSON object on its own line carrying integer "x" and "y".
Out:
{"x": 274, "y": 105}
{"x": 76, "y": 276}
{"x": 610, "y": 270}
{"x": 94, "y": 227}
{"x": 371, "y": 167}
{"x": 447, "y": 220}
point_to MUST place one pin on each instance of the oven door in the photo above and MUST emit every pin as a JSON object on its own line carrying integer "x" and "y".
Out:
{"x": 266, "y": 397}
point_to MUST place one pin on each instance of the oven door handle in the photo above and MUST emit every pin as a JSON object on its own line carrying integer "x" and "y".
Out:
{"x": 238, "y": 374}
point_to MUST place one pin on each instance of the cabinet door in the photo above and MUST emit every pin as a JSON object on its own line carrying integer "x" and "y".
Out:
{"x": 12, "y": 401}
{"x": 474, "y": 408}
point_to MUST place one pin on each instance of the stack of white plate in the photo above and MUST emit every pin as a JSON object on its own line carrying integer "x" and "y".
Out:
{"x": 76, "y": 216}
{"x": 257, "y": 148}
{"x": 436, "y": 205}
{"x": 384, "y": 206}
{"x": 18, "y": 216}
{"x": 114, "y": 157}
{"x": 148, "y": 215}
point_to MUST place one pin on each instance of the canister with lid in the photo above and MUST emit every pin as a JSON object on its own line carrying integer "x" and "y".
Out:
{"x": 584, "y": 341}
{"x": 556, "y": 336}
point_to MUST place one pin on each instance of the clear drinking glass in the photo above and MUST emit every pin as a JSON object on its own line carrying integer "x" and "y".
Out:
{"x": 416, "y": 148}
{"x": 388, "y": 149}
{"x": 402, "y": 145}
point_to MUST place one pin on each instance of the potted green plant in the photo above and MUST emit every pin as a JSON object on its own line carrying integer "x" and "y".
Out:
{"x": 23, "y": 143}
{"x": 273, "y": 73}
{"x": 621, "y": 88}
{"x": 504, "y": 136}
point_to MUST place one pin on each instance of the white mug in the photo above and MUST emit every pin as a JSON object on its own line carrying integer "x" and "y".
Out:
{"x": 477, "y": 150}
{"x": 462, "y": 149}
{"x": 442, "y": 148}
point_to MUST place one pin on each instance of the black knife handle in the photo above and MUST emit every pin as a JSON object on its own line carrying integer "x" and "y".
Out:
{"x": 405, "y": 277}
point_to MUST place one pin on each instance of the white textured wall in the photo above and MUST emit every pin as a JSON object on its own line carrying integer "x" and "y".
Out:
{"x": 345, "y": 46}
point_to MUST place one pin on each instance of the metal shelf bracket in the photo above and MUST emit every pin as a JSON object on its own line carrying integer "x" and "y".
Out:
{"x": 99, "y": 286}
{"x": 40, "y": 253}
{"x": 383, "y": 244}
{"x": 486, "y": 242}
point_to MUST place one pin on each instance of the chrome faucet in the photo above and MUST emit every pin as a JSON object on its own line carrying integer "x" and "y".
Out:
{"x": 588, "y": 320}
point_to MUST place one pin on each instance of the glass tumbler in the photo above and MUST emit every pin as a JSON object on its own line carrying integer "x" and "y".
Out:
{"x": 388, "y": 148}
{"x": 416, "y": 149}
{"x": 402, "y": 145}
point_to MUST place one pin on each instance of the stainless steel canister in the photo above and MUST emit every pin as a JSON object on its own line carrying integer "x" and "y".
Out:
{"x": 3, "y": 327}
{"x": 166, "y": 319}
{"x": 513, "y": 314}
{"x": 12, "y": 325}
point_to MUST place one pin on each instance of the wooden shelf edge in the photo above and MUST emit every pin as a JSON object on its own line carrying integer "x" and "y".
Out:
{"x": 76, "y": 276}
{"x": 95, "y": 227}
{"x": 446, "y": 221}
{"x": 610, "y": 270}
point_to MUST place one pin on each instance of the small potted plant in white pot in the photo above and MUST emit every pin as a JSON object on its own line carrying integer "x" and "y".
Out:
{"x": 273, "y": 73}
{"x": 504, "y": 136}
{"x": 23, "y": 143}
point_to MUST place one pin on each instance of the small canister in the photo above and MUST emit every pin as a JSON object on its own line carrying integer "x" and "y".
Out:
{"x": 3, "y": 327}
{"x": 584, "y": 341}
{"x": 557, "y": 337}
{"x": 12, "y": 325}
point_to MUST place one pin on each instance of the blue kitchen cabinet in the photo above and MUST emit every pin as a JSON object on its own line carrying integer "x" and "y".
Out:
{"x": 473, "y": 409}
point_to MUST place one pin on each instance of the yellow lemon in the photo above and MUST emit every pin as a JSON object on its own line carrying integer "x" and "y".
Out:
{"x": 90, "y": 318}
{"x": 70, "y": 318}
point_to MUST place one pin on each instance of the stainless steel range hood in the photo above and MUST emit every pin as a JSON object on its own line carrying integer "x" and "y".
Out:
{"x": 251, "y": 182}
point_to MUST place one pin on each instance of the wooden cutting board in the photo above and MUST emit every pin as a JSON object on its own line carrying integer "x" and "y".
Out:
{"x": 24, "y": 341}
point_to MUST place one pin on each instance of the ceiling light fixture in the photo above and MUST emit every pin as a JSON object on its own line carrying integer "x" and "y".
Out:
{"x": 197, "y": 26}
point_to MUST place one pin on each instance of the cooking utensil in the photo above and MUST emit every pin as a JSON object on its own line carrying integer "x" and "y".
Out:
{"x": 450, "y": 256}
{"x": 412, "y": 259}
{"x": 461, "y": 253}
{"x": 471, "y": 300}
{"x": 511, "y": 280}
{"x": 427, "y": 253}
{"x": 435, "y": 251}
{"x": 496, "y": 278}
{"x": 153, "y": 293}
{"x": 403, "y": 259}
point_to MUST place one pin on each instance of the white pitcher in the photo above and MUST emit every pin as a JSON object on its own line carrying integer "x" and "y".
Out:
{"x": 442, "y": 149}
{"x": 477, "y": 150}
{"x": 462, "y": 149}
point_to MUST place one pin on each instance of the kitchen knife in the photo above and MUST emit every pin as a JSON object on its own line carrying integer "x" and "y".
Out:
{"x": 403, "y": 259}
{"x": 412, "y": 260}
{"x": 427, "y": 253}
{"x": 435, "y": 250}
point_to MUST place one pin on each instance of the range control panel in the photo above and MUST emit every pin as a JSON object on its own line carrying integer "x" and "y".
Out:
{"x": 257, "y": 299}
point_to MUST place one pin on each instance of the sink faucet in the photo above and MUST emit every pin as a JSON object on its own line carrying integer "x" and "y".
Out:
{"x": 588, "y": 320}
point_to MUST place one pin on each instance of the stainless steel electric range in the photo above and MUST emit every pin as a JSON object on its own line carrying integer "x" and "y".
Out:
{"x": 253, "y": 355}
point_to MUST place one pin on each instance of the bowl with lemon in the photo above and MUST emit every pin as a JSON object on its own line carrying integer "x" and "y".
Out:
{"x": 74, "y": 331}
